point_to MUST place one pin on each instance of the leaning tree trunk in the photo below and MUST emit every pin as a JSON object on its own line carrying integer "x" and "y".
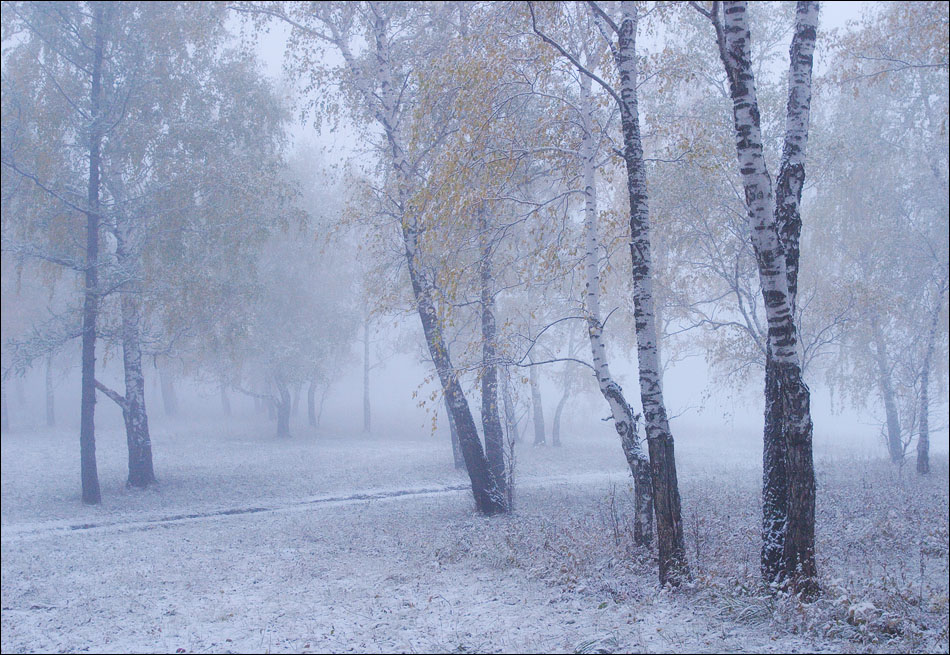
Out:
{"x": 537, "y": 408}
{"x": 666, "y": 498}
{"x": 50, "y": 396}
{"x": 625, "y": 423}
{"x": 895, "y": 445}
{"x": 788, "y": 554}
{"x": 386, "y": 101}
{"x": 923, "y": 439}
{"x": 87, "y": 429}
{"x": 491, "y": 419}
{"x": 485, "y": 488}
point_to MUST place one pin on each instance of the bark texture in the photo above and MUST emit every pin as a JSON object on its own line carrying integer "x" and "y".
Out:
{"x": 624, "y": 420}
{"x": 788, "y": 503}
{"x": 666, "y": 498}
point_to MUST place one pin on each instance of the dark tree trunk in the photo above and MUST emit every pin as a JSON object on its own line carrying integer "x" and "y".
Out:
{"x": 366, "y": 405}
{"x": 87, "y": 430}
{"x": 788, "y": 553}
{"x": 484, "y": 487}
{"x": 50, "y": 396}
{"x": 491, "y": 421}
{"x": 537, "y": 407}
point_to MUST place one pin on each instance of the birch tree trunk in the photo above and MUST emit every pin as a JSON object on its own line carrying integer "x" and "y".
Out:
{"x": 895, "y": 445}
{"x": 491, "y": 419}
{"x": 625, "y": 423}
{"x": 511, "y": 419}
{"x": 87, "y": 429}
{"x": 788, "y": 551}
{"x": 50, "y": 395}
{"x": 169, "y": 397}
{"x": 666, "y": 498}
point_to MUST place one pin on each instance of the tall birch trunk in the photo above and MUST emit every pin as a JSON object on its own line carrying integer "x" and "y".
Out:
{"x": 87, "y": 430}
{"x": 485, "y": 489}
{"x": 788, "y": 551}
{"x": 491, "y": 419}
{"x": 625, "y": 422}
{"x": 666, "y": 498}
{"x": 169, "y": 397}
{"x": 50, "y": 395}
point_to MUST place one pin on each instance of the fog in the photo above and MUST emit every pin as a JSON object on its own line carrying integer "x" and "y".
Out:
{"x": 502, "y": 327}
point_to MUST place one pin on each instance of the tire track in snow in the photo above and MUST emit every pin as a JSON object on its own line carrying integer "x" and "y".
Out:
{"x": 31, "y": 531}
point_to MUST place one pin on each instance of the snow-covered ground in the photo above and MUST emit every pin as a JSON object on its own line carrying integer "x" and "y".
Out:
{"x": 355, "y": 543}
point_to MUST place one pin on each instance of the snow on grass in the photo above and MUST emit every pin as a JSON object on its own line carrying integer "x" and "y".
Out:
{"x": 333, "y": 561}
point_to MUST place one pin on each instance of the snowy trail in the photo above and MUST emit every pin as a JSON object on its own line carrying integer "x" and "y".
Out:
{"x": 40, "y": 530}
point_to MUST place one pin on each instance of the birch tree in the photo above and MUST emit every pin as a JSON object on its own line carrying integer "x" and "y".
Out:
{"x": 788, "y": 497}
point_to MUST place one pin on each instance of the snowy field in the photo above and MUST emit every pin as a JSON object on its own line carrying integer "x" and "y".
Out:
{"x": 327, "y": 542}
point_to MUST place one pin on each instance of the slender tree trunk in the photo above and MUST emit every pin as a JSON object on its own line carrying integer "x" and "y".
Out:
{"x": 454, "y": 435}
{"x": 511, "y": 420}
{"x": 387, "y": 100}
{"x": 87, "y": 430}
{"x": 895, "y": 445}
{"x": 923, "y": 439}
{"x": 537, "y": 408}
{"x": 788, "y": 529}
{"x": 491, "y": 420}
{"x": 311, "y": 405}
{"x": 169, "y": 397}
{"x": 323, "y": 400}
{"x": 666, "y": 498}
{"x": 141, "y": 471}
{"x": 625, "y": 423}
{"x": 296, "y": 403}
{"x": 565, "y": 394}
{"x": 366, "y": 406}
{"x": 50, "y": 396}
